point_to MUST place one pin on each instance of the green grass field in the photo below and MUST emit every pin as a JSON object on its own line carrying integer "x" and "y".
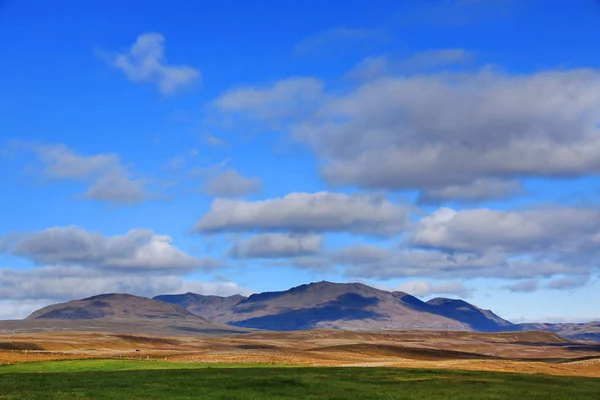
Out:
{"x": 148, "y": 380}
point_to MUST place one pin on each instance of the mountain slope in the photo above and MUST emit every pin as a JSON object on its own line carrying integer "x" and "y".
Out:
{"x": 332, "y": 305}
{"x": 114, "y": 305}
{"x": 124, "y": 312}
{"x": 339, "y": 305}
{"x": 478, "y": 319}
{"x": 209, "y": 307}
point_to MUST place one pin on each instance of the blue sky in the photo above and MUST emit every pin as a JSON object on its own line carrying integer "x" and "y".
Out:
{"x": 443, "y": 148}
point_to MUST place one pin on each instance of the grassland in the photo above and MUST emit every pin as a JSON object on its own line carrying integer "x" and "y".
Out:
{"x": 127, "y": 379}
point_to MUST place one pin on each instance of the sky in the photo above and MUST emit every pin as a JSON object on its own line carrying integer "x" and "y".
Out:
{"x": 442, "y": 148}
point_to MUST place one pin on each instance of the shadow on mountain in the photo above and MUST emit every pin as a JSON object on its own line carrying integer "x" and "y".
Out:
{"x": 348, "y": 306}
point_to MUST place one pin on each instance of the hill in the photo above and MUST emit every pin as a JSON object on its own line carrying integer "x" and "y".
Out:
{"x": 339, "y": 305}
{"x": 119, "y": 313}
{"x": 209, "y": 307}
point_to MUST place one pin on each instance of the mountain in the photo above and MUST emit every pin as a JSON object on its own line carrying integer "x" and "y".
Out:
{"x": 478, "y": 319}
{"x": 338, "y": 305}
{"x": 584, "y": 331}
{"x": 209, "y": 307}
{"x": 113, "y": 305}
{"x": 123, "y": 312}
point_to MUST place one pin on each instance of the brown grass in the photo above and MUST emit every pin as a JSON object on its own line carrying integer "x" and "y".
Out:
{"x": 528, "y": 352}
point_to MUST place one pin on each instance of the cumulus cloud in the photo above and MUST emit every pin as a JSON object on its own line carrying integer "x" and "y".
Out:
{"x": 306, "y": 212}
{"x": 438, "y": 264}
{"x": 478, "y": 190}
{"x": 451, "y": 129}
{"x": 363, "y": 254}
{"x": 550, "y": 229}
{"x": 471, "y": 135}
{"x": 145, "y": 62}
{"x": 527, "y": 286}
{"x": 292, "y": 97}
{"x": 568, "y": 283}
{"x": 137, "y": 250}
{"x": 426, "y": 289}
{"x": 108, "y": 178}
{"x": 230, "y": 183}
{"x": 277, "y": 246}
{"x": 30, "y": 289}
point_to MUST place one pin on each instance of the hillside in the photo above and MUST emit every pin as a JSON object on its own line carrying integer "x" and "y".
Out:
{"x": 209, "y": 307}
{"x": 337, "y": 305}
{"x": 122, "y": 313}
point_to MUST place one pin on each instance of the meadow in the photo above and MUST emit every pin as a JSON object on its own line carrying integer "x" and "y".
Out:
{"x": 148, "y": 380}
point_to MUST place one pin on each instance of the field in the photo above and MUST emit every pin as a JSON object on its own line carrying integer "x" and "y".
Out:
{"x": 523, "y": 352}
{"x": 148, "y": 380}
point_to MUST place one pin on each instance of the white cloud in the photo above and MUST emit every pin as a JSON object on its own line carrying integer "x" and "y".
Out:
{"x": 108, "y": 178}
{"x": 305, "y": 212}
{"x": 527, "y": 286}
{"x": 551, "y": 229}
{"x": 145, "y": 62}
{"x": 137, "y": 250}
{"x": 292, "y": 97}
{"x": 568, "y": 283}
{"x": 472, "y": 135}
{"x": 276, "y": 246}
{"x": 426, "y": 289}
{"x": 478, "y": 190}
{"x": 433, "y": 131}
{"x": 230, "y": 183}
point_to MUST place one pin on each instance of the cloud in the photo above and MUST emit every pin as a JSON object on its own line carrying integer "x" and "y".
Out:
{"x": 527, "y": 286}
{"x": 338, "y": 40}
{"x": 431, "y": 59}
{"x": 277, "y": 246}
{"x": 551, "y": 229}
{"x": 426, "y": 289}
{"x": 412, "y": 263}
{"x": 292, "y": 97}
{"x": 399, "y": 133}
{"x": 145, "y": 62}
{"x": 215, "y": 141}
{"x": 116, "y": 187}
{"x": 31, "y": 289}
{"x": 478, "y": 190}
{"x": 470, "y": 135}
{"x": 305, "y": 212}
{"x": 108, "y": 178}
{"x": 363, "y": 254}
{"x": 370, "y": 68}
{"x": 568, "y": 283}
{"x": 139, "y": 250}
{"x": 230, "y": 183}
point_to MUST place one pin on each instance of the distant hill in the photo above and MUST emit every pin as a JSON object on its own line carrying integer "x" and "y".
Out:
{"x": 348, "y": 306}
{"x": 113, "y": 305}
{"x": 116, "y": 310}
{"x": 339, "y": 305}
{"x": 209, "y": 307}
{"x": 584, "y": 331}
{"x": 478, "y": 319}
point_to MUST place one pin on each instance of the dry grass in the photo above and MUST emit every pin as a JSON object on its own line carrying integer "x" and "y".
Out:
{"x": 528, "y": 352}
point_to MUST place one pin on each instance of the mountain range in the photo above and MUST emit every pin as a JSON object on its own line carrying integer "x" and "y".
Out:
{"x": 348, "y": 306}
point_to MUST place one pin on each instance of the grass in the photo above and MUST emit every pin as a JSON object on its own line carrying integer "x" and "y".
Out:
{"x": 115, "y": 379}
